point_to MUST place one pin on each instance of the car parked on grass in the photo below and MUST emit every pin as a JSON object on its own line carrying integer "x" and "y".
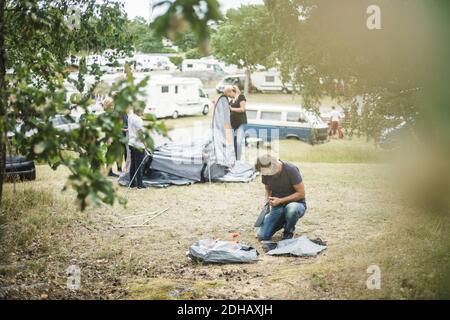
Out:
{"x": 273, "y": 122}
{"x": 19, "y": 168}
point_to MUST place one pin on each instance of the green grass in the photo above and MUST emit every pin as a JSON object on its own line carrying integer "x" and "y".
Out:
{"x": 31, "y": 216}
{"x": 352, "y": 206}
{"x": 335, "y": 151}
{"x": 187, "y": 121}
{"x": 413, "y": 255}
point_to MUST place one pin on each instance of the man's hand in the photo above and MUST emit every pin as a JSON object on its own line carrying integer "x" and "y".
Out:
{"x": 275, "y": 202}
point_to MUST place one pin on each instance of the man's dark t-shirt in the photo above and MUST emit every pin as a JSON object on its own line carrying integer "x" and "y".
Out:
{"x": 238, "y": 118}
{"x": 282, "y": 184}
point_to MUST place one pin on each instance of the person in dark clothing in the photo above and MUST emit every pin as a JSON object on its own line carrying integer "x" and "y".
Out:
{"x": 125, "y": 134}
{"x": 137, "y": 148}
{"x": 238, "y": 105}
{"x": 285, "y": 193}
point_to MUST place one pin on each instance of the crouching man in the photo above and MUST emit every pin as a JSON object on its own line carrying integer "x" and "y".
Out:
{"x": 285, "y": 192}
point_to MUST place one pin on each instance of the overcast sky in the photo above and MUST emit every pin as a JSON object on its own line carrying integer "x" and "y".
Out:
{"x": 141, "y": 8}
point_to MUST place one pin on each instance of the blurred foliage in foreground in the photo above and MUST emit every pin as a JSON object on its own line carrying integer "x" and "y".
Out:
{"x": 36, "y": 38}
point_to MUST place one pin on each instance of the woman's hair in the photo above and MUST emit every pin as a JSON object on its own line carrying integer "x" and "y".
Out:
{"x": 234, "y": 89}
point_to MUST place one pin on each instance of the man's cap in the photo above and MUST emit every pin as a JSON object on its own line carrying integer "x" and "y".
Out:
{"x": 267, "y": 165}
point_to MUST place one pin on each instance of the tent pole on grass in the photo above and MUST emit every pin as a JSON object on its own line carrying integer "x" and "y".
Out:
{"x": 147, "y": 155}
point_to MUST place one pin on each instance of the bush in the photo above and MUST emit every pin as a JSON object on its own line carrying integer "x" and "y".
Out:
{"x": 177, "y": 60}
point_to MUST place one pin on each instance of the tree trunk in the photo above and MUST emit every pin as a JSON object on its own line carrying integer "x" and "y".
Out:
{"x": 248, "y": 81}
{"x": 2, "y": 97}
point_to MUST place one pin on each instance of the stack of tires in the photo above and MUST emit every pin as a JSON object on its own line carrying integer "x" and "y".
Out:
{"x": 19, "y": 169}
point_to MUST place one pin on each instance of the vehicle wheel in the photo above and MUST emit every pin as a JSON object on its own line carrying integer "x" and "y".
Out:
{"x": 285, "y": 91}
{"x": 175, "y": 115}
{"x": 205, "y": 110}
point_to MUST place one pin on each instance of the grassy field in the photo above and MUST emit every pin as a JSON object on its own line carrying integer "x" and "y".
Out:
{"x": 352, "y": 205}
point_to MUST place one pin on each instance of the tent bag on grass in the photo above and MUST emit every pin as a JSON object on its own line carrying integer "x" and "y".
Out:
{"x": 300, "y": 247}
{"x": 212, "y": 251}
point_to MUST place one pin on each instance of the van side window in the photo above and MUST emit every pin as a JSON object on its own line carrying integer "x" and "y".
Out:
{"x": 190, "y": 66}
{"x": 270, "y": 78}
{"x": 252, "y": 114}
{"x": 176, "y": 89}
{"x": 296, "y": 117}
{"x": 165, "y": 89}
{"x": 201, "y": 94}
{"x": 266, "y": 115}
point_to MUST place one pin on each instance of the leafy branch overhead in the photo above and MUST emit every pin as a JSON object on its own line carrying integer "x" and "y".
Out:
{"x": 180, "y": 16}
{"x": 39, "y": 37}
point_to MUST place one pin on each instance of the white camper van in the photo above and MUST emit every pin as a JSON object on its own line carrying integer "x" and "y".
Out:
{"x": 189, "y": 65}
{"x": 148, "y": 62}
{"x": 270, "y": 81}
{"x": 262, "y": 81}
{"x": 173, "y": 97}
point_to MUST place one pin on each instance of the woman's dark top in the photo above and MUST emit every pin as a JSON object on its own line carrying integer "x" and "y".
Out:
{"x": 238, "y": 118}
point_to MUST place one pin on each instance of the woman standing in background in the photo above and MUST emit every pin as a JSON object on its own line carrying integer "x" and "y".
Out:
{"x": 238, "y": 105}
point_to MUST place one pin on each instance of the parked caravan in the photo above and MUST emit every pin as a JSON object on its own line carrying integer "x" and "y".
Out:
{"x": 272, "y": 122}
{"x": 262, "y": 81}
{"x": 270, "y": 81}
{"x": 176, "y": 96}
{"x": 149, "y": 62}
{"x": 206, "y": 65}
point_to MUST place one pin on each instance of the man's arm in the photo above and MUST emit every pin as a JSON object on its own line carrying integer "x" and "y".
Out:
{"x": 268, "y": 193}
{"x": 299, "y": 194}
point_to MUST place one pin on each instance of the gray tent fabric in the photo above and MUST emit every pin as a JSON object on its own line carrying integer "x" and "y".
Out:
{"x": 223, "y": 139}
{"x": 222, "y": 252}
{"x": 240, "y": 172}
{"x": 208, "y": 159}
{"x": 158, "y": 179}
{"x": 180, "y": 160}
{"x": 264, "y": 212}
{"x": 299, "y": 247}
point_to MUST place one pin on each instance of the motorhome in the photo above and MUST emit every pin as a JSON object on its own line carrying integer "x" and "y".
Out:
{"x": 273, "y": 122}
{"x": 270, "y": 81}
{"x": 176, "y": 96}
{"x": 95, "y": 59}
{"x": 148, "y": 62}
{"x": 262, "y": 81}
{"x": 205, "y": 65}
